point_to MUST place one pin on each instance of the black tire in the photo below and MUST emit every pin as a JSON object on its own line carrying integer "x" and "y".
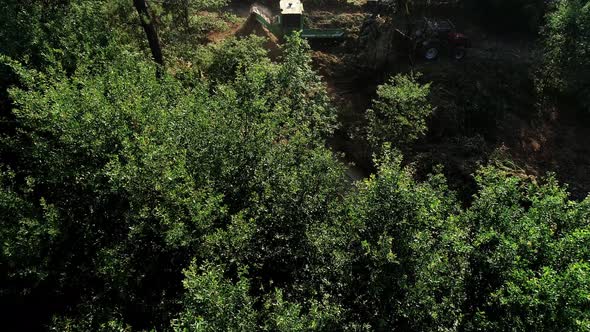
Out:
{"x": 431, "y": 52}
{"x": 459, "y": 53}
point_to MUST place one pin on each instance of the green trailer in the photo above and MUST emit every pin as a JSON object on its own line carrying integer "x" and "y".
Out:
{"x": 291, "y": 19}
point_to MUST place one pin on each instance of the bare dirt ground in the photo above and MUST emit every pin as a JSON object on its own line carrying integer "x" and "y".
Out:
{"x": 558, "y": 141}
{"x": 487, "y": 108}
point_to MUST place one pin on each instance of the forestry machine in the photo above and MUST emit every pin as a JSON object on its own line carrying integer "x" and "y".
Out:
{"x": 429, "y": 37}
{"x": 290, "y": 19}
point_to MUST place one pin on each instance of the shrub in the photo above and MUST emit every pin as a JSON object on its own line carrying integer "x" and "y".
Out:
{"x": 400, "y": 112}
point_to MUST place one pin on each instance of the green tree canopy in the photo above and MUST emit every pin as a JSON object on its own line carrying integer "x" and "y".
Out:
{"x": 207, "y": 200}
{"x": 566, "y": 39}
{"x": 400, "y": 111}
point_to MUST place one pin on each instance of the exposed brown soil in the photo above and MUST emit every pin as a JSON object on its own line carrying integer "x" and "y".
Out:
{"x": 217, "y": 36}
{"x": 253, "y": 27}
{"x": 558, "y": 141}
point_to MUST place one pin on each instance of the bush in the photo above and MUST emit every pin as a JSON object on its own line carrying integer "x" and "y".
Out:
{"x": 566, "y": 39}
{"x": 400, "y": 112}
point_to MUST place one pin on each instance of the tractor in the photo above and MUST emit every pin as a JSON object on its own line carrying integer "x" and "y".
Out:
{"x": 428, "y": 37}
{"x": 289, "y": 20}
{"x": 431, "y": 37}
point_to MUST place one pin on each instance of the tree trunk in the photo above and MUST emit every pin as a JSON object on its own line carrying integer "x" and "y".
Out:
{"x": 186, "y": 14}
{"x": 150, "y": 30}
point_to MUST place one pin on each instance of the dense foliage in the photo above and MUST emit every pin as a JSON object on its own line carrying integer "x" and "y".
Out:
{"x": 566, "y": 49}
{"x": 206, "y": 200}
{"x": 400, "y": 111}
